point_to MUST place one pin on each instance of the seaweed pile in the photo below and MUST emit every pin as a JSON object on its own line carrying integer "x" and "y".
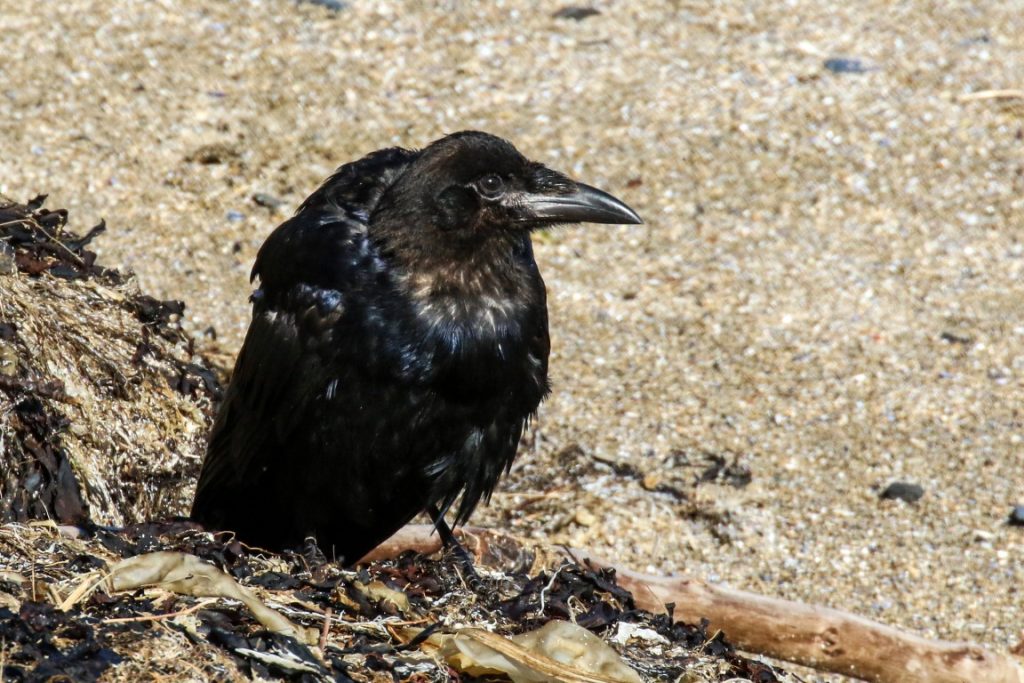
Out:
{"x": 64, "y": 609}
{"x": 104, "y": 402}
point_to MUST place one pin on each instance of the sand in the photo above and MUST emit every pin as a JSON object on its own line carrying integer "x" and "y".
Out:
{"x": 827, "y": 291}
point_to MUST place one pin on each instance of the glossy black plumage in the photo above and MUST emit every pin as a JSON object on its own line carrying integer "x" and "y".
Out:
{"x": 398, "y": 347}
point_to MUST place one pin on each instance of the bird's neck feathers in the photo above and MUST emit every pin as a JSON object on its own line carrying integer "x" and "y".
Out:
{"x": 490, "y": 285}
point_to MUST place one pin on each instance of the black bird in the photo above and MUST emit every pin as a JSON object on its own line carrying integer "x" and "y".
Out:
{"x": 398, "y": 347}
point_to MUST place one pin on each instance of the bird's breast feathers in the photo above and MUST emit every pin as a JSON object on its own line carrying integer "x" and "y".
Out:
{"x": 488, "y": 315}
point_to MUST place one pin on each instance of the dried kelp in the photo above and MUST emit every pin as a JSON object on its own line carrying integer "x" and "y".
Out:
{"x": 170, "y": 598}
{"x": 104, "y": 403}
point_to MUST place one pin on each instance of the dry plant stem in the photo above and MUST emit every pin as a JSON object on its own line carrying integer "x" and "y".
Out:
{"x": 823, "y": 638}
{"x": 1008, "y": 94}
{"x": 202, "y": 604}
{"x": 326, "y": 631}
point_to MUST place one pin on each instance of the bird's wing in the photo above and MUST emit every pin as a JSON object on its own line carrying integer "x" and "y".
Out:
{"x": 307, "y": 267}
{"x": 279, "y": 372}
{"x": 323, "y": 245}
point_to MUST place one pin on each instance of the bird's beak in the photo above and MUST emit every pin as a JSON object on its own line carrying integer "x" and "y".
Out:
{"x": 585, "y": 204}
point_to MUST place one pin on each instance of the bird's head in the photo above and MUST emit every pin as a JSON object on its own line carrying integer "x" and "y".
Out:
{"x": 472, "y": 187}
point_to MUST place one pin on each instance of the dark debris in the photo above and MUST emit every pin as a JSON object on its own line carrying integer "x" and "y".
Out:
{"x": 39, "y": 482}
{"x": 41, "y": 242}
{"x": 42, "y": 643}
{"x": 724, "y": 471}
{"x": 572, "y": 583}
{"x": 104, "y": 629}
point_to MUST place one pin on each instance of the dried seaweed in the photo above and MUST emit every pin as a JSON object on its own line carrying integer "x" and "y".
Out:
{"x": 40, "y": 483}
{"x": 41, "y": 244}
{"x": 169, "y": 628}
{"x": 104, "y": 401}
{"x": 43, "y": 642}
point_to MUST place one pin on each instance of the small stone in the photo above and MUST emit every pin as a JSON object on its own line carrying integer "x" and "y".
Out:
{"x": 843, "y": 65}
{"x": 585, "y": 517}
{"x": 651, "y": 481}
{"x": 1016, "y": 516}
{"x": 267, "y": 200}
{"x": 333, "y": 5}
{"x": 902, "y": 490}
{"x": 576, "y": 13}
{"x": 956, "y": 337}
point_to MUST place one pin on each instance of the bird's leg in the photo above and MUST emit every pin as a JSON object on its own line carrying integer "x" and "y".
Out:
{"x": 462, "y": 556}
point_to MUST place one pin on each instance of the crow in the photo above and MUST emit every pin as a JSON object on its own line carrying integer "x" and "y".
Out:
{"x": 398, "y": 347}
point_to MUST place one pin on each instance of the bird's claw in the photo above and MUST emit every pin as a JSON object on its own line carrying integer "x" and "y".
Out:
{"x": 467, "y": 567}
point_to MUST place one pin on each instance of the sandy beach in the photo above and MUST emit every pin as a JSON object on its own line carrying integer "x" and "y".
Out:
{"x": 826, "y": 296}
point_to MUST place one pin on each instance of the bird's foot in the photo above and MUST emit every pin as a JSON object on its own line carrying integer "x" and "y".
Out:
{"x": 311, "y": 554}
{"x": 463, "y": 558}
{"x": 464, "y": 561}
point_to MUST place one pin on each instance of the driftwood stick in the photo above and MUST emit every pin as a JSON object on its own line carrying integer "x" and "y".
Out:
{"x": 823, "y": 638}
{"x": 826, "y": 639}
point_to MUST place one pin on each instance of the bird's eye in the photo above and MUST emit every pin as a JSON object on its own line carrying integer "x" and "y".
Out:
{"x": 491, "y": 186}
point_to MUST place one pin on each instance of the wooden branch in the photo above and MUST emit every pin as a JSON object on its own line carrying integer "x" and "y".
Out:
{"x": 823, "y": 638}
